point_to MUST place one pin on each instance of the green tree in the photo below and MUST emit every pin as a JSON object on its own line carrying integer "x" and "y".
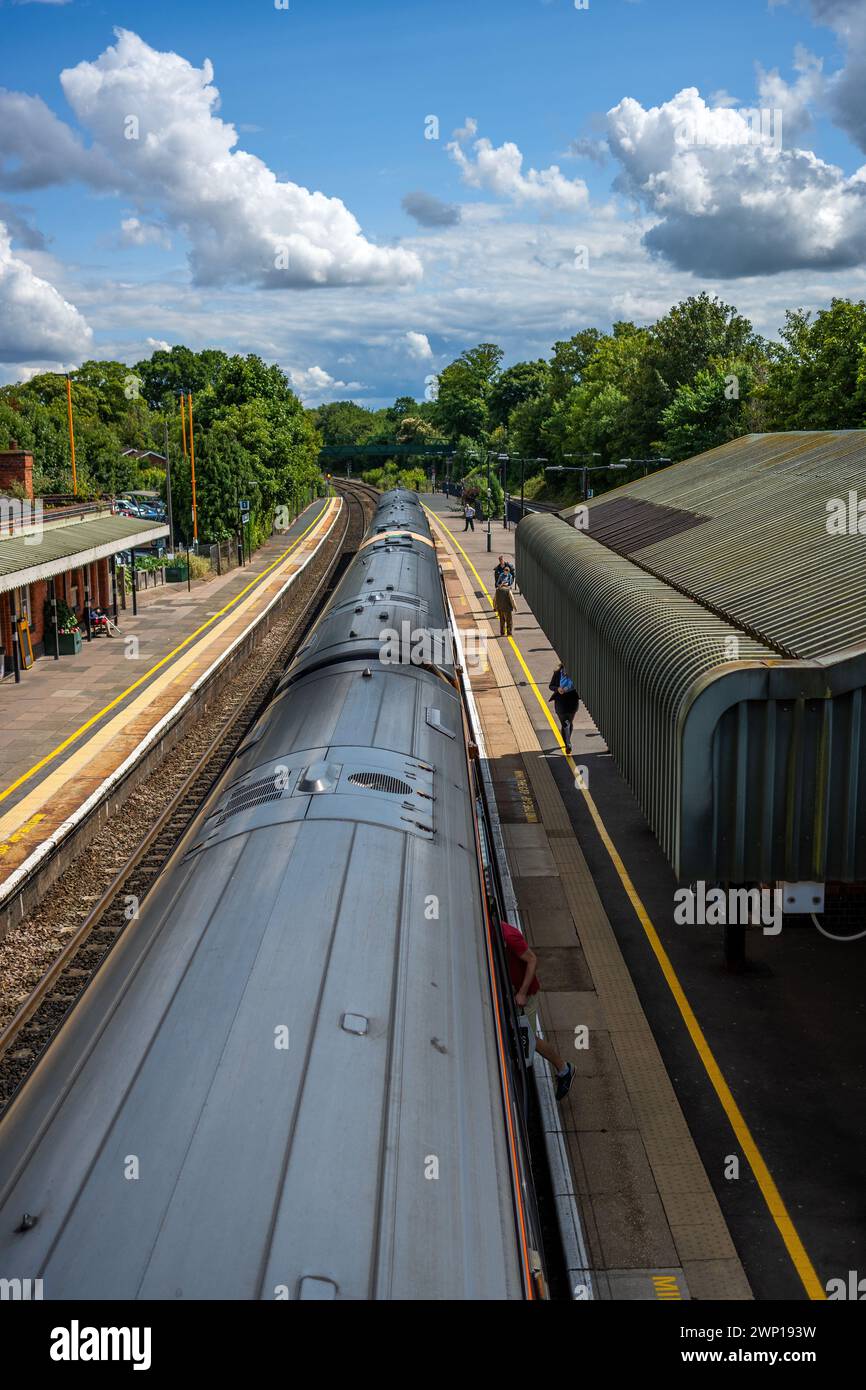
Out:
{"x": 817, "y": 377}
{"x": 607, "y": 412}
{"x": 465, "y": 386}
{"x": 168, "y": 372}
{"x": 525, "y": 381}
{"x": 569, "y": 360}
{"x": 708, "y": 411}
{"x": 695, "y": 331}
{"x": 404, "y": 405}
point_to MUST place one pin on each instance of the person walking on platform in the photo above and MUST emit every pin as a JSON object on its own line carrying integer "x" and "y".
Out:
{"x": 469, "y": 517}
{"x": 566, "y": 702}
{"x": 522, "y": 968}
{"x": 504, "y": 604}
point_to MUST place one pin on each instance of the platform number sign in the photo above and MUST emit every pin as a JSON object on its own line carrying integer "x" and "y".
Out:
{"x": 245, "y": 510}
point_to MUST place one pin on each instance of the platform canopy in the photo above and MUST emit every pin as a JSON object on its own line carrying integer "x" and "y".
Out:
{"x": 54, "y": 548}
{"x": 713, "y": 616}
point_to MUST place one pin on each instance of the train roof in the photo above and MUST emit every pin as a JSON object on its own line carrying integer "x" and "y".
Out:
{"x": 282, "y": 1081}
{"x": 390, "y": 595}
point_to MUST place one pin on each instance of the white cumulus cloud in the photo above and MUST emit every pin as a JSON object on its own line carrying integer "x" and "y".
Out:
{"x": 731, "y": 203}
{"x": 419, "y": 346}
{"x": 793, "y": 100}
{"x": 499, "y": 170}
{"x": 152, "y": 116}
{"x": 134, "y": 232}
{"x": 314, "y": 385}
{"x": 38, "y": 149}
{"x": 36, "y": 322}
{"x": 846, "y": 90}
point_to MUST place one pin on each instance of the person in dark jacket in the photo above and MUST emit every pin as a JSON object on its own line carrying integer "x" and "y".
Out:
{"x": 565, "y": 701}
{"x": 503, "y": 602}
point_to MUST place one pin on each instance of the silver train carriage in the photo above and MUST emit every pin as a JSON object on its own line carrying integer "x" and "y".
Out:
{"x": 288, "y": 1079}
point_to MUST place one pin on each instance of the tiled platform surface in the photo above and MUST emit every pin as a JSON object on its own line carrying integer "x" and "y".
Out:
{"x": 651, "y": 1223}
{"x": 178, "y": 633}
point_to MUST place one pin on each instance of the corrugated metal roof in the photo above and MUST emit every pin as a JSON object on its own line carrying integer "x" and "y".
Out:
{"x": 25, "y": 559}
{"x": 749, "y": 766}
{"x": 717, "y": 632}
{"x": 628, "y": 523}
{"x": 763, "y": 558}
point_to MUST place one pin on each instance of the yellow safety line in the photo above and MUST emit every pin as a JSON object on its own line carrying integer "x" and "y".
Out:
{"x": 94, "y": 719}
{"x": 770, "y": 1192}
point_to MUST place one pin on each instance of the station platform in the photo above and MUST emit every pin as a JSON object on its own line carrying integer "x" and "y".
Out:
{"x": 71, "y": 724}
{"x": 651, "y": 1224}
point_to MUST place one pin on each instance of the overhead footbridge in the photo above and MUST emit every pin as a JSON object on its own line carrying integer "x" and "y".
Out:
{"x": 713, "y": 616}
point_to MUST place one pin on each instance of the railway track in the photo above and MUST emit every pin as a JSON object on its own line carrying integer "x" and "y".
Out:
{"x": 92, "y": 931}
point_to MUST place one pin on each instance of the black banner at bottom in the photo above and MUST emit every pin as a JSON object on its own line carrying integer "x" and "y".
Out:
{"x": 159, "y": 1338}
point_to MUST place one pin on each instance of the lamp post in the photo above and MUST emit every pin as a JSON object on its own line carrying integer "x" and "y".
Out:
{"x": 647, "y": 463}
{"x": 584, "y": 468}
{"x": 489, "y": 504}
{"x": 503, "y": 459}
{"x": 168, "y": 490}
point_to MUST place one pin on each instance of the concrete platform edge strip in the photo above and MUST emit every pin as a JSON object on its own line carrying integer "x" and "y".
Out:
{"x": 571, "y": 1232}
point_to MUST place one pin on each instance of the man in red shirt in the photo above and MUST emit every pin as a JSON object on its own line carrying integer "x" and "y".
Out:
{"x": 522, "y": 967}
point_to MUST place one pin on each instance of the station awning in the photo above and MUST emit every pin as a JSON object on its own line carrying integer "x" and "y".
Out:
{"x": 55, "y": 549}
{"x": 712, "y": 618}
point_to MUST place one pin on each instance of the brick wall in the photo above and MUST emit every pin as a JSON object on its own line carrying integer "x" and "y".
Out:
{"x": 104, "y": 580}
{"x": 16, "y": 468}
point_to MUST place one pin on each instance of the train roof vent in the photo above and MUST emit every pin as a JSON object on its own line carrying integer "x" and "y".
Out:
{"x": 380, "y": 782}
{"x": 434, "y": 719}
{"x": 250, "y": 795}
{"x": 319, "y": 777}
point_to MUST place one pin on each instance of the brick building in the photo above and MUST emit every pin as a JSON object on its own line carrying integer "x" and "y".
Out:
{"x": 66, "y": 552}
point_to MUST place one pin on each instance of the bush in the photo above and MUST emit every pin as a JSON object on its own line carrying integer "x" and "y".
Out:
{"x": 151, "y": 480}
{"x": 475, "y": 483}
{"x": 412, "y": 479}
{"x": 199, "y": 567}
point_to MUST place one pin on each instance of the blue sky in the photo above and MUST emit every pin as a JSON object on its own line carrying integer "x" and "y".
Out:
{"x": 116, "y": 244}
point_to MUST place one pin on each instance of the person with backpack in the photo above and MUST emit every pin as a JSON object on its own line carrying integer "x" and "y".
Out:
{"x": 566, "y": 702}
{"x": 504, "y": 603}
